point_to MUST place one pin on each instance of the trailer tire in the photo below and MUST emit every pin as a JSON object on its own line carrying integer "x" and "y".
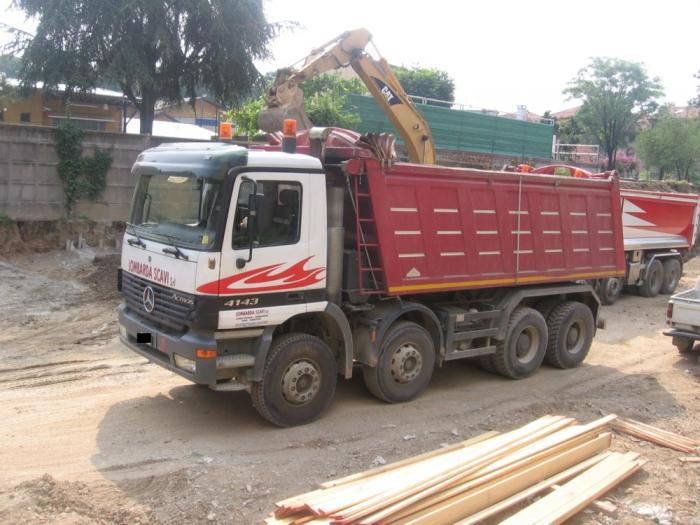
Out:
{"x": 520, "y": 354}
{"x": 294, "y": 358}
{"x": 406, "y": 347}
{"x": 684, "y": 345}
{"x": 609, "y": 289}
{"x": 571, "y": 329}
{"x": 672, "y": 275}
{"x": 653, "y": 280}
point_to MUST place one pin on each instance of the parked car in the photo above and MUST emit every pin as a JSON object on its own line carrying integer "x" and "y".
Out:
{"x": 683, "y": 316}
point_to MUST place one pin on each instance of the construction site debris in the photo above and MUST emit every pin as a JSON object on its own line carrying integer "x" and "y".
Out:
{"x": 658, "y": 436}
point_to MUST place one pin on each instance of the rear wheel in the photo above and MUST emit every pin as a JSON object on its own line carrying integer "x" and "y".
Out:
{"x": 571, "y": 329}
{"x": 684, "y": 344}
{"x": 298, "y": 382}
{"x": 609, "y": 289}
{"x": 521, "y": 352}
{"x": 405, "y": 366}
{"x": 672, "y": 275}
{"x": 653, "y": 280}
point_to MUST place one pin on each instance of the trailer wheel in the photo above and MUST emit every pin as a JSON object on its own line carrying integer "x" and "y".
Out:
{"x": 521, "y": 352}
{"x": 684, "y": 345}
{"x": 653, "y": 280}
{"x": 405, "y": 366}
{"x": 609, "y": 289}
{"x": 672, "y": 275}
{"x": 571, "y": 329}
{"x": 298, "y": 381}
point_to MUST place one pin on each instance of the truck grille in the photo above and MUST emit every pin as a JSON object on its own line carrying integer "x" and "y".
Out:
{"x": 171, "y": 308}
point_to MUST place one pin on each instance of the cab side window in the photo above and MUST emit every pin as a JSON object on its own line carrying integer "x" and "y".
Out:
{"x": 278, "y": 214}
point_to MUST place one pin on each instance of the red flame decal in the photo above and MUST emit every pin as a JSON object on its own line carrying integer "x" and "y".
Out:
{"x": 270, "y": 276}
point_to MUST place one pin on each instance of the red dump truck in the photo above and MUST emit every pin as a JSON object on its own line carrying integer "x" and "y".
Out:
{"x": 276, "y": 271}
{"x": 660, "y": 230}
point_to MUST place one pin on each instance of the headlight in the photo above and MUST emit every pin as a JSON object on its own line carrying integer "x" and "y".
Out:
{"x": 185, "y": 364}
{"x": 122, "y": 331}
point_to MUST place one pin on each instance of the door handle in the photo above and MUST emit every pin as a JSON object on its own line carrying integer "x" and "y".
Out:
{"x": 295, "y": 297}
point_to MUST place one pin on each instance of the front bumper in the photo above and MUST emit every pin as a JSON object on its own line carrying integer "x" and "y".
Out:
{"x": 164, "y": 347}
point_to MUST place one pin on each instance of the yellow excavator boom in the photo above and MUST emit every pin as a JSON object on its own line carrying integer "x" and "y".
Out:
{"x": 285, "y": 98}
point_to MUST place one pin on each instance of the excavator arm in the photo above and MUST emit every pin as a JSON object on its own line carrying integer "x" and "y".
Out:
{"x": 285, "y": 98}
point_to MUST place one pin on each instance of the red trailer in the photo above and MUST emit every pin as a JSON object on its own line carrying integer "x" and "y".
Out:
{"x": 659, "y": 230}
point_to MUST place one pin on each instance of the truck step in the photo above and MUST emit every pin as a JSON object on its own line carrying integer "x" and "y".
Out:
{"x": 470, "y": 352}
{"x": 473, "y": 334}
{"x": 230, "y": 386}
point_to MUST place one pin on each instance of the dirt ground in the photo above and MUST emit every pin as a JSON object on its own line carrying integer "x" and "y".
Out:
{"x": 93, "y": 434}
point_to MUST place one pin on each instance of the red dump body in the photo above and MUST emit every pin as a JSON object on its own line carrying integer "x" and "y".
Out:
{"x": 654, "y": 219}
{"x": 441, "y": 228}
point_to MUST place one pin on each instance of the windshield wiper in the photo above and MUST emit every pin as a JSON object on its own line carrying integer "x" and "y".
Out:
{"x": 135, "y": 242}
{"x": 174, "y": 250}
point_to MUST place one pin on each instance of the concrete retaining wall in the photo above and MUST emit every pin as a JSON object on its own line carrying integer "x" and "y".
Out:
{"x": 30, "y": 189}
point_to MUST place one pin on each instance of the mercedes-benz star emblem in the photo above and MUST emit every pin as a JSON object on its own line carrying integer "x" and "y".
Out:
{"x": 149, "y": 299}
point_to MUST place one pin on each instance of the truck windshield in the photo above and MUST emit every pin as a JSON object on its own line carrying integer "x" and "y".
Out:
{"x": 182, "y": 210}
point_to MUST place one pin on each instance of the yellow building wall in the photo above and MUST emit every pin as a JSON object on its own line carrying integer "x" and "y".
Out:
{"x": 47, "y": 110}
{"x": 203, "y": 109}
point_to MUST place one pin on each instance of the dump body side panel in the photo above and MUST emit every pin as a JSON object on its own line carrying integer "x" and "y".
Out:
{"x": 658, "y": 219}
{"x": 451, "y": 228}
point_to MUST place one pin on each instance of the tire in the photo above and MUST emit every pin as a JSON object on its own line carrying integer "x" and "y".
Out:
{"x": 684, "y": 345}
{"x": 653, "y": 280}
{"x": 609, "y": 290}
{"x": 571, "y": 329}
{"x": 405, "y": 365}
{"x": 546, "y": 306}
{"x": 522, "y": 351}
{"x": 672, "y": 275}
{"x": 293, "y": 359}
{"x": 486, "y": 363}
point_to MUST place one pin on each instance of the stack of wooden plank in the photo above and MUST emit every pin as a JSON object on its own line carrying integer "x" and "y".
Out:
{"x": 657, "y": 435}
{"x": 472, "y": 480}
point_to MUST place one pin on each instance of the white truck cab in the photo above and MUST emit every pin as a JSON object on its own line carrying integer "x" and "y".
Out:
{"x": 222, "y": 244}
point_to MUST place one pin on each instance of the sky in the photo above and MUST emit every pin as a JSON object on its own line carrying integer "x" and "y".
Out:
{"x": 500, "y": 53}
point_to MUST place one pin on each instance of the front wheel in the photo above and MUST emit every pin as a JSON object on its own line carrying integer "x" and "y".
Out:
{"x": 571, "y": 328}
{"x": 298, "y": 382}
{"x": 405, "y": 365}
{"x": 672, "y": 275}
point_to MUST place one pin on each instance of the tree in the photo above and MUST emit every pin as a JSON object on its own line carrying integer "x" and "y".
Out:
{"x": 325, "y": 99}
{"x": 153, "y": 49}
{"x": 696, "y": 101}
{"x": 616, "y": 94}
{"x": 429, "y": 83}
{"x": 673, "y": 144}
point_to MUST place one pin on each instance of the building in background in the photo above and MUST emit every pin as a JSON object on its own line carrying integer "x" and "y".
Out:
{"x": 203, "y": 113}
{"x": 96, "y": 110}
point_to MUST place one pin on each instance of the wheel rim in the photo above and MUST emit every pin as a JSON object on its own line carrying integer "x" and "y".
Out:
{"x": 526, "y": 344}
{"x": 614, "y": 287}
{"x": 406, "y": 363}
{"x": 301, "y": 382}
{"x": 575, "y": 337}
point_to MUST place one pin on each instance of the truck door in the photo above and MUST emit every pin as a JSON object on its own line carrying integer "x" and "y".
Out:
{"x": 279, "y": 276}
